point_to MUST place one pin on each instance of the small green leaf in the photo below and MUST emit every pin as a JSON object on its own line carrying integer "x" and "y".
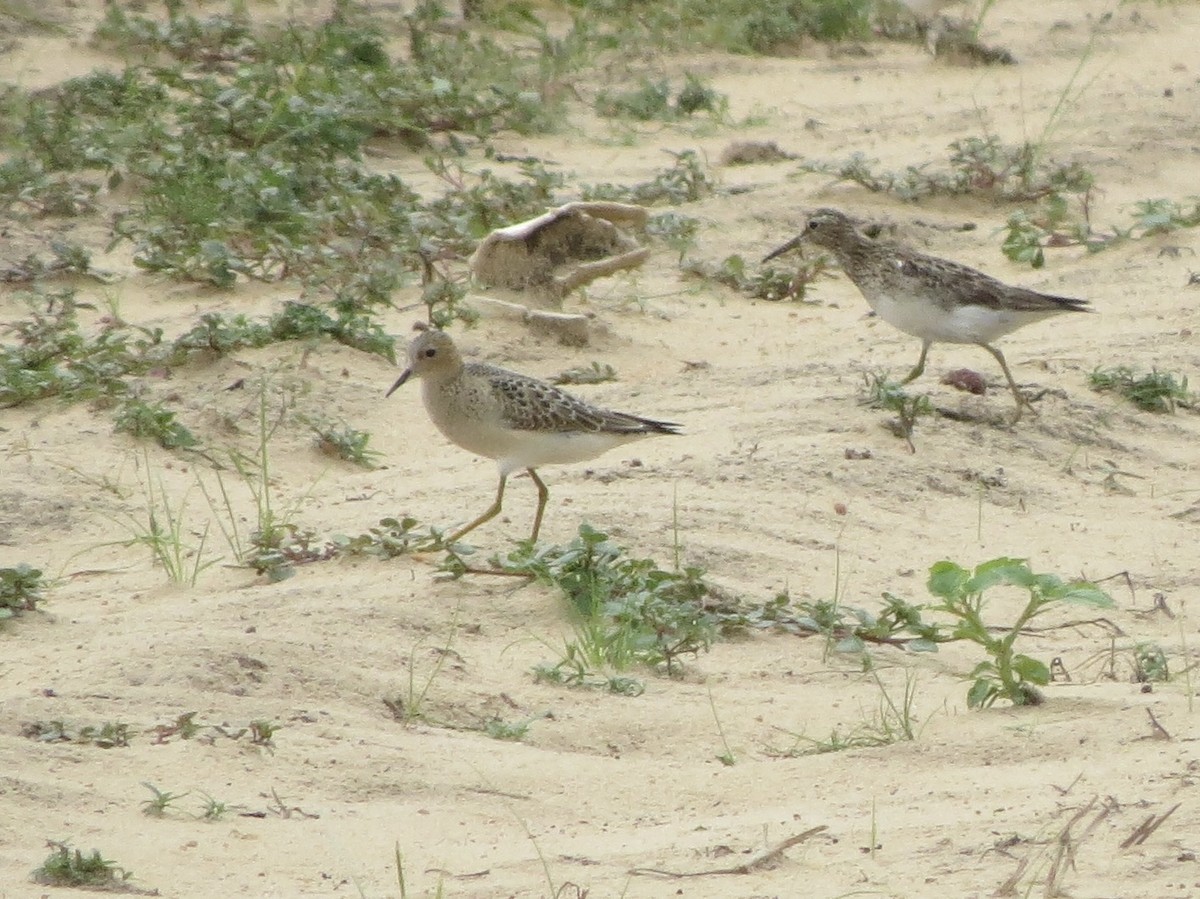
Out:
{"x": 921, "y": 645}
{"x": 1031, "y": 670}
{"x": 999, "y": 572}
{"x": 981, "y": 695}
{"x": 850, "y": 644}
{"x": 946, "y": 579}
{"x": 1084, "y": 594}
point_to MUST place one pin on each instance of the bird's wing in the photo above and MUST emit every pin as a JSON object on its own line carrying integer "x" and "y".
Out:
{"x": 951, "y": 283}
{"x": 527, "y": 404}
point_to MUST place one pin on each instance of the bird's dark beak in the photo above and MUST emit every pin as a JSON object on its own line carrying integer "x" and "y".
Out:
{"x": 405, "y": 375}
{"x": 790, "y": 245}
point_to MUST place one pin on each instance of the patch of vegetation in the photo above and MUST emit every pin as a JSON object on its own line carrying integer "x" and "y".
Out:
{"x": 684, "y": 182}
{"x": 884, "y": 393}
{"x": 977, "y": 166}
{"x": 1058, "y": 223}
{"x": 66, "y": 867}
{"x": 52, "y": 355}
{"x": 153, "y": 421}
{"x": 1155, "y": 391}
{"x": 391, "y": 538}
{"x": 891, "y": 722}
{"x": 20, "y": 590}
{"x": 596, "y": 373}
{"x": 159, "y": 802}
{"x": 109, "y": 735}
{"x": 1006, "y": 673}
{"x": 344, "y": 442}
{"x": 656, "y": 100}
{"x": 769, "y": 283}
{"x": 627, "y": 611}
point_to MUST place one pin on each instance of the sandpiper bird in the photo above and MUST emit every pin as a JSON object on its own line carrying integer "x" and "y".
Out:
{"x": 934, "y": 299}
{"x": 519, "y": 421}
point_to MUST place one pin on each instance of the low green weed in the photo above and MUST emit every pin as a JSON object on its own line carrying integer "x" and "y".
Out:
{"x": 153, "y": 421}
{"x": 884, "y": 393}
{"x": 66, "y": 867}
{"x": 1155, "y": 391}
{"x": 345, "y": 443}
{"x": 686, "y": 181}
{"x": 109, "y": 735}
{"x": 1005, "y": 674}
{"x": 159, "y": 802}
{"x": 976, "y": 166}
{"x": 20, "y": 590}
{"x": 658, "y": 101}
{"x": 626, "y": 611}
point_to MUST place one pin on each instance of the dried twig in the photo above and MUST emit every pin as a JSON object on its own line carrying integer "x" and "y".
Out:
{"x": 1142, "y": 832}
{"x": 755, "y": 864}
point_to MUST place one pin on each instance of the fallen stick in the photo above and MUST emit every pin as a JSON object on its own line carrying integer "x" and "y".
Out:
{"x": 749, "y": 867}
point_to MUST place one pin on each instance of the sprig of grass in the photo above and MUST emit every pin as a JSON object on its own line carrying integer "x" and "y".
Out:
{"x": 1155, "y": 391}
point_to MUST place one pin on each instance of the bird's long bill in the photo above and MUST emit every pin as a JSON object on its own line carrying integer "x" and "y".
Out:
{"x": 404, "y": 376}
{"x": 790, "y": 245}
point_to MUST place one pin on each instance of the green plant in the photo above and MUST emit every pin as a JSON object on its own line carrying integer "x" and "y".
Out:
{"x": 410, "y": 706}
{"x": 513, "y": 731}
{"x": 109, "y": 735}
{"x": 145, "y": 420}
{"x": 652, "y": 100}
{"x": 213, "y": 809}
{"x": 1153, "y": 392}
{"x": 159, "y": 802}
{"x": 891, "y": 722}
{"x": 626, "y": 611}
{"x": 1150, "y": 663}
{"x": 20, "y": 590}
{"x": 884, "y": 393}
{"x": 1005, "y": 674}
{"x": 262, "y": 733}
{"x": 164, "y": 532}
{"x": 686, "y": 181}
{"x": 727, "y": 757}
{"x": 596, "y": 373}
{"x": 65, "y": 867}
{"x": 345, "y": 442}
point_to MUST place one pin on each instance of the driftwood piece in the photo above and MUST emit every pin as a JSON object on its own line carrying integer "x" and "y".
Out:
{"x": 556, "y": 253}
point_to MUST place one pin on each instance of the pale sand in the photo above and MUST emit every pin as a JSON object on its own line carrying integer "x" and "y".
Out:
{"x": 607, "y": 783}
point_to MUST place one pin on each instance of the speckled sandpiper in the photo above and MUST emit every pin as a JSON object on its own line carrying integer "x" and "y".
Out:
{"x": 934, "y": 299}
{"x": 519, "y": 421}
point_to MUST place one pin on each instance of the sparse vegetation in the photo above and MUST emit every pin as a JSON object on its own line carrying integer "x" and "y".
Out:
{"x": 627, "y": 611}
{"x": 1154, "y": 391}
{"x": 884, "y": 393}
{"x": 1006, "y": 673}
{"x": 67, "y": 867}
{"x": 20, "y": 590}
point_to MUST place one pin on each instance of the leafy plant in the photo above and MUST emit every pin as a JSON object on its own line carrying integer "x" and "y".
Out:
{"x": 1005, "y": 674}
{"x": 66, "y": 867}
{"x": 345, "y": 442}
{"x": 884, "y": 393}
{"x": 596, "y": 373}
{"x": 159, "y": 802}
{"x": 20, "y": 590}
{"x": 1152, "y": 392}
{"x": 154, "y": 421}
{"x": 891, "y": 722}
{"x": 627, "y": 611}
{"x": 653, "y": 100}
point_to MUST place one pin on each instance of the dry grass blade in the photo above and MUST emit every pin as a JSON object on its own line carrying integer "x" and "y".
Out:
{"x": 1142, "y": 832}
{"x": 758, "y": 863}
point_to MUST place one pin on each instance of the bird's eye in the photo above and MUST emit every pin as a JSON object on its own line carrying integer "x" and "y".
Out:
{"x": 814, "y": 225}
{"x": 430, "y": 353}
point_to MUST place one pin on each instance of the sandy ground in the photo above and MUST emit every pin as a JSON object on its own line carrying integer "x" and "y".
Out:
{"x": 980, "y": 803}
